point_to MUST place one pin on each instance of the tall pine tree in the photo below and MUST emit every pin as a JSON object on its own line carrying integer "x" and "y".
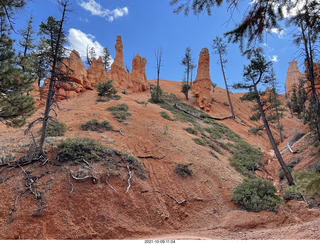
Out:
{"x": 15, "y": 104}
{"x": 257, "y": 73}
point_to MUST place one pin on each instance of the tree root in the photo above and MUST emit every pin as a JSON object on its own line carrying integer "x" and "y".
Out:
{"x": 130, "y": 176}
{"x": 72, "y": 186}
{"x": 111, "y": 186}
{"x": 94, "y": 179}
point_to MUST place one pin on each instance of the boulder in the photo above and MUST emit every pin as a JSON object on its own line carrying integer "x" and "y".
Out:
{"x": 202, "y": 87}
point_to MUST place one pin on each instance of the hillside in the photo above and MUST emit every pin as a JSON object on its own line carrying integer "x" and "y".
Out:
{"x": 160, "y": 205}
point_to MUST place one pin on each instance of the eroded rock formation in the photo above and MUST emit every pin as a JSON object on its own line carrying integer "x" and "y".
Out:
{"x": 135, "y": 81}
{"x": 316, "y": 69}
{"x": 202, "y": 87}
{"x": 293, "y": 76}
{"x": 77, "y": 79}
{"x": 97, "y": 72}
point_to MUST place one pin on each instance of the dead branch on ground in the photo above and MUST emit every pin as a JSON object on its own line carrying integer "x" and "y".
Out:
{"x": 199, "y": 117}
{"x": 120, "y": 131}
{"x": 150, "y": 156}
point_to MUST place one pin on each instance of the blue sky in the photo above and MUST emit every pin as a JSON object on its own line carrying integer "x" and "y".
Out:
{"x": 146, "y": 25}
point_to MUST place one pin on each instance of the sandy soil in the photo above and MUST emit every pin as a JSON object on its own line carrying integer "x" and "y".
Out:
{"x": 95, "y": 211}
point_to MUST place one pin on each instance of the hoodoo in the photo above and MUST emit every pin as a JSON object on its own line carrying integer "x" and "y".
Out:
{"x": 202, "y": 87}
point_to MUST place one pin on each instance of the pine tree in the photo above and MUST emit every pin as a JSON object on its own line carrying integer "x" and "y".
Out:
{"x": 188, "y": 63}
{"x": 90, "y": 54}
{"x": 40, "y": 58}
{"x": 15, "y": 104}
{"x": 259, "y": 72}
{"x": 53, "y": 34}
{"x": 106, "y": 59}
{"x": 220, "y": 48}
{"x": 27, "y": 45}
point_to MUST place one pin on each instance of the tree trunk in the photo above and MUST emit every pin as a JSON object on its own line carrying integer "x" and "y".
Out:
{"x": 271, "y": 139}
{"x": 51, "y": 86}
{"x": 227, "y": 89}
{"x": 187, "y": 92}
{"x": 314, "y": 97}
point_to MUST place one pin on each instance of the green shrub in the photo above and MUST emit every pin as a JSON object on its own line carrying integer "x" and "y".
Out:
{"x": 142, "y": 102}
{"x": 106, "y": 89}
{"x": 308, "y": 182}
{"x": 120, "y": 107}
{"x": 256, "y": 130}
{"x": 292, "y": 193}
{"x": 226, "y": 104}
{"x": 191, "y": 131}
{"x": 120, "y": 115}
{"x": 200, "y": 141}
{"x": 315, "y": 167}
{"x": 214, "y": 147}
{"x": 156, "y": 96}
{"x": 77, "y": 149}
{"x": 56, "y": 129}
{"x": 185, "y": 87}
{"x": 120, "y": 112}
{"x": 133, "y": 162}
{"x": 220, "y": 131}
{"x": 290, "y": 167}
{"x": 183, "y": 170}
{"x": 95, "y": 125}
{"x": 245, "y": 158}
{"x": 103, "y": 99}
{"x": 255, "y": 195}
{"x": 165, "y": 115}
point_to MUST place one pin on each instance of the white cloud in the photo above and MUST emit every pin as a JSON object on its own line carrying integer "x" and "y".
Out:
{"x": 84, "y": 20}
{"x": 277, "y": 31}
{"x": 274, "y": 58}
{"x": 79, "y": 41}
{"x": 96, "y": 9}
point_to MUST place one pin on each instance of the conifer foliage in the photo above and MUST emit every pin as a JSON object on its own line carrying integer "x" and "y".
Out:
{"x": 259, "y": 72}
{"x": 15, "y": 103}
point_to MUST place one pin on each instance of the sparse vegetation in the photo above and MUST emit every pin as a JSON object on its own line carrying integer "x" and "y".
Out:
{"x": 200, "y": 141}
{"x": 165, "y": 115}
{"x": 156, "y": 96}
{"x": 133, "y": 162}
{"x": 245, "y": 158}
{"x": 256, "y": 130}
{"x": 142, "y": 102}
{"x": 103, "y": 99}
{"x": 183, "y": 170}
{"x": 226, "y": 104}
{"x": 290, "y": 167}
{"x": 106, "y": 89}
{"x": 191, "y": 130}
{"x": 120, "y": 112}
{"x": 56, "y": 129}
{"x": 95, "y": 125}
{"x": 77, "y": 149}
{"x": 292, "y": 193}
{"x": 255, "y": 195}
{"x": 308, "y": 181}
